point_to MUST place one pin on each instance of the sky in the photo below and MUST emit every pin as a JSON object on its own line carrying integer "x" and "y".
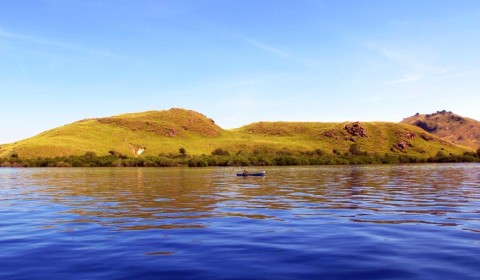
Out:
{"x": 236, "y": 61}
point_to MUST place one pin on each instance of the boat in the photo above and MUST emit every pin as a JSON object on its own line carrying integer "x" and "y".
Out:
{"x": 257, "y": 174}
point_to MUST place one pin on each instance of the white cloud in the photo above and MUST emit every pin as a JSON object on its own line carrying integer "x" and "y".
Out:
{"x": 406, "y": 79}
{"x": 31, "y": 39}
{"x": 267, "y": 48}
{"x": 305, "y": 61}
{"x": 396, "y": 55}
{"x": 11, "y": 37}
{"x": 413, "y": 62}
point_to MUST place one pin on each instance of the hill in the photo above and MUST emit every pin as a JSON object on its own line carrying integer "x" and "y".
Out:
{"x": 165, "y": 132}
{"x": 128, "y": 134}
{"x": 450, "y": 127}
{"x": 370, "y": 137}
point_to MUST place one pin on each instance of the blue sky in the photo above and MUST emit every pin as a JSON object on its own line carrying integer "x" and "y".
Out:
{"x": 236, "y": 61}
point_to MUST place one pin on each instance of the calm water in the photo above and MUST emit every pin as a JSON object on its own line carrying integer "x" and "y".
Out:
{"x": 335, "y": 222}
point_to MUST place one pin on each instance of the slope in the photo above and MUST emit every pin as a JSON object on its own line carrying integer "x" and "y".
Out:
{"x": 366, "y": 137}
{"x": 128, "y": 134}
{"x": 165, "y": 132}
{"x": 450, "y": 127}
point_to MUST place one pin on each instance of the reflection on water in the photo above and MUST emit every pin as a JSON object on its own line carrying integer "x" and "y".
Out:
{"x": 295, "y": 222}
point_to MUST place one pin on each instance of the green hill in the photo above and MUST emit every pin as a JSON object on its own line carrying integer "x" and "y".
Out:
{"x": 157, "y": 131}
{"x": 371, "y": 137}
{"x": 165, "y": 132}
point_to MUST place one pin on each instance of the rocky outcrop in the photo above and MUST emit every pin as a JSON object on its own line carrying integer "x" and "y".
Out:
{"x": 410, "y": 135}
{"x": 355, "y": 129}
{"x": 402, "y": 145}
{"x": 426, "y": 137}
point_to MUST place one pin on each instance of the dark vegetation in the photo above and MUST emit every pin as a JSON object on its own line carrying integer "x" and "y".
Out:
{"x": 220, "y": 157}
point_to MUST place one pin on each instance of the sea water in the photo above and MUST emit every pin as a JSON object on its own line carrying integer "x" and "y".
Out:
{"x": 327, "y": 222}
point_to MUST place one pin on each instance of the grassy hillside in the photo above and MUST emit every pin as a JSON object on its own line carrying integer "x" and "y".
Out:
{"x": 371, "y": 137}
{"x": 450, "y": 127}
{"x": 165, "y": 132}
{"x": 157, "y": 131}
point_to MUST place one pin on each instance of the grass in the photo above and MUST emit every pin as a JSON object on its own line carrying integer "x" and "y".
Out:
{"x": 165, "y": 132}
{"x": 450, "y": 127}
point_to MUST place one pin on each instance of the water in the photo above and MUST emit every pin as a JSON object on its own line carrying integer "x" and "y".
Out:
{"x": 334, "y": 222}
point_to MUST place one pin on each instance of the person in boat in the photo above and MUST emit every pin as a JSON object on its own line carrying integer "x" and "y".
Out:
{"x": 245, "y": 172}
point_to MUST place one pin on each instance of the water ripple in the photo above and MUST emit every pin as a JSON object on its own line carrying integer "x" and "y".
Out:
{"x": 335, "y": 222}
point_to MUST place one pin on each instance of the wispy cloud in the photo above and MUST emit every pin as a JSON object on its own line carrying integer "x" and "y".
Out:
{"x": 305, "y": 61}
{"x": 417, "y": 67}
{"x": 13, "y": 37}
{"x": 31, "y": 39}
{"x": 267, "y": 48}
{"x": 406, "y": 79}
{"x": 396, "y": 56}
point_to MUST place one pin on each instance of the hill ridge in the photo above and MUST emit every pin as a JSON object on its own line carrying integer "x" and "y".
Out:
{"x": 152, "y": 133}
{"x": 169, "y": 123}
{"x": 451, "y": 127}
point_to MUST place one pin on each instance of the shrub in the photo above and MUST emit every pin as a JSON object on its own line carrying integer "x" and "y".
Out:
{"x": 198, "y": 162}
{"x": 355, "y": 150}
{"x": 90, "y": 155}
{"x": 220, "y": 152}
{"x": 63, "y": 164}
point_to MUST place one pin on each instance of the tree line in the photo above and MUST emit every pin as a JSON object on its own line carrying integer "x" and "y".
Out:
{"x": 221, "y": 157}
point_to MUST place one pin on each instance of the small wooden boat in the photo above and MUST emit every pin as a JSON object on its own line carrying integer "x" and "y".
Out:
{"x": 258, "y": 174}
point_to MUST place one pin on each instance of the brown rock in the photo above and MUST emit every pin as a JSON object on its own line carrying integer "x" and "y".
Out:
{"x": 426, "y": 137}
{"x": 403, "y": 145}
{"x": 410, "y": 135}
{"x": 355, "y": 129}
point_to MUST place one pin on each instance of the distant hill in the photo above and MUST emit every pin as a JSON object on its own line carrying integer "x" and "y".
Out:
{"x": 450, "y": 127}
{"x": 165, "y": 132}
